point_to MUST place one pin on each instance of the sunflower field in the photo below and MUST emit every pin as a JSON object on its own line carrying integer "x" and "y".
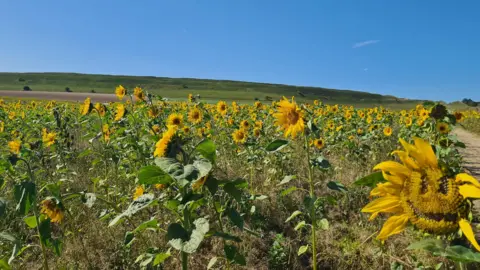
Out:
{"x": 471, "y": 120}
{"x": 145, "y": 183}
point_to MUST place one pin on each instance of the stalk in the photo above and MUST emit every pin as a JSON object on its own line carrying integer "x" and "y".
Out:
{"x": 312, "y": 211}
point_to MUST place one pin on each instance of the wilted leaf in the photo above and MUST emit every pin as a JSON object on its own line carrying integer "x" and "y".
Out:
{"x": 145, "y": 225}
{"x": 212, "y": 262}
{"x": 300, "y": 225}
{"x": 323, "y": 224}
{"x": 288, "y": 191}
{"x": 302, "y": 250}
{"x": 227, "y": 236}
{"x": 287, "y": 179}
{"x": 140, "y": 203}
{"x": 321, "y": 163}
{"x": 160, "y": 258}
{"x": 89, "y": 199}
{"x": 294, "y": 214}
{"x": 201, "y": 228}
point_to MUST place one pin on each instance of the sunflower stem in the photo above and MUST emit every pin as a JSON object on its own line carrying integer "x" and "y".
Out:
{"x": 312, "y": 210}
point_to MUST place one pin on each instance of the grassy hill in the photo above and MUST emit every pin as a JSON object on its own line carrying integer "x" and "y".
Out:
{"x": 181, "y": 87}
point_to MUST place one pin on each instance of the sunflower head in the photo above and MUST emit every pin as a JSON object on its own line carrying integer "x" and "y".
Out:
{"x": 138, "y": 93}
{"x": 239, "y": 136}
{"x": 387, "y": 131}
{"x": 257, "y": 132}
{"x": 101, "y": 109}
{"x": 138, "y": 192}
{"x": 120, "y": 92}
{"x": 14, "y": 146}
{"x": 120, "y": 112}
{"x": 86, "y": 107}
{"x": 318, "y": 143}
{"x": 175, "y": 119}
{"x": 459, "y": 116}
{"x": 222, "y": 107}
{"x": 443, "y": 128}
{"x": 195, "y": 116}
{"x": 52, "y": 209}
{"x": 417, "y": 191}
{"x": 289, "y": 118}
{"x": 244, "y": 124}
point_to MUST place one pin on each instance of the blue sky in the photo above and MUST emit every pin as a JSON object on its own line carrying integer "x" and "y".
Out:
{"x": 416, "y": 49}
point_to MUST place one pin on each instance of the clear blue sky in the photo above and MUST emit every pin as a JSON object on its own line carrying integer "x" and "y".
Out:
{"x": 408, "y": 48}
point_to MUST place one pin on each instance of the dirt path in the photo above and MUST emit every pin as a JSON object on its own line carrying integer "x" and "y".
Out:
{"x": 58, "y": 96}
{"x": 471, "y": 154}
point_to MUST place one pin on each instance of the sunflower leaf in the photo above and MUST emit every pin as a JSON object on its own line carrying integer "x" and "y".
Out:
{"x": 370, "y": 180}
{"x": 276, "y": 145}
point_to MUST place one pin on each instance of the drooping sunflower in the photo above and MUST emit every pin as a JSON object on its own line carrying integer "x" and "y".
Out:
{"x": 417, "y": 191}
{"x": 86, "y": 107}
{"x": 120, "y": 112}
{"x": 14, "y": 146}
{"x": 443, "y": 128}
{"x": 239, "y": 136}
{"x": 195, "y": 116}
{"x": 175, "y": 119}
{"x": 138, "y": 93}
{"x": 52, "y": 209}
{"x": 101, "y": 109}
{"x": 162, "y": 145}
{"x": 222, "y": 107}
{"x": 387, "y": 131}
{"x": 120, "y": 92}
{"x": 289, "y": 118}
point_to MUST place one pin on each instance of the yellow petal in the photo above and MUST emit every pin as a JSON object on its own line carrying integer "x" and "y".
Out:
{"x": 407, "y": 160}
{"x": 463, "y": 177}
{"x": 393, "y": 225}
{"x": 469, "y": 191}
{"x": 393, "y": 167}
{"x": 395, "y": 179}
{"x": 385, "y": 189}
{"x": 468, "y": 232}
{"x": 426, "y": 149}
{"x": 381, "y": 203}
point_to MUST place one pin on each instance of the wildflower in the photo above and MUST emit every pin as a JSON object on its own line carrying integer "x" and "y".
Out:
{"x": 289, "y": 118}
{"x": 120, "y": 92}
{"x": 417, "y": 191}
{"x": 52, "y": 209}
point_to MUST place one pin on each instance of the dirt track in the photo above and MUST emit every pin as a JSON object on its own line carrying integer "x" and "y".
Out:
{"x": 471, "y": 154}
{"x": 58, "y": 96}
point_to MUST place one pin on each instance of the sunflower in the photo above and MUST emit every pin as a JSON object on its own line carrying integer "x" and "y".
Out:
{"x": 239, "y": 136}
{"x": 459, "y": 116}
{"x": 195, "y": 116}
{"x": 259, "y": 124}
{"x": 318, "y": 143}
{"x": 289, "y": 118}
{"x": 360, "y": 131}
{"x": 160, "y": 186}
{"x": 52, "y": 209}
{"x": 138, "y": 93}
{"x": 86, "y": 107}
{"x": 120, "y": 92}
{"x": 258, "y": 105}
{"x": 222, "y": 107}
{"x": 2, "y": 126}
{"x": 120, "y": 112}
{"x": 408, "y": 121}
{"x": 162, "y": 144}
{"x": 191, "y": 98}
{"x": 101, "y": 109}
{"x": 155, "y": 129}
{"x": 387, "y": 131}
{"x": 199, "y": 183}
{"x": 443, "y": 128}
{"x": 418, "y": 191}
{"x": 186, "y": 130}
{"x": 48, "y": 138}
{"x": 14, "y": 146}
{"x": 106, "y": 132}
{"x": 175, "y": 119}
{"x": 244, "y": 124}
{"x": 153, "y": 112}
{"x": 256, "y": 132}
{"x": 138, "y": 192}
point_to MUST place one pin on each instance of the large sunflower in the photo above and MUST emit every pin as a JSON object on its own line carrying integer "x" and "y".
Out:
{"x": 239, "y": 136}
{"x": 289, "y": 118}
{"x": 419, "y": 192}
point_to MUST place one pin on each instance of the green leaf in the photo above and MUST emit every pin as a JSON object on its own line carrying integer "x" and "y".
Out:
{"x": 4, "y": 265}
{"x": 212, "y": 185}
{"x": 302, "y": 250}
{"x": 212, "y": 262}
{"x": 460, "y": 144}
{"x": 128, "y": 238}
{"x": 312, "y": 126}
{"x": 288, "y": 191}
{"x": 434, "y": 246}
{"x": 204, "y": 166}
{"x": 55, "y": 245}
{"x": 182, "y": 174}
{"x": 294, "y": 214}
{"x": 321, "y": 163}
{"x": 140, "y": 203}
{"x": 323, "y": 224}
{"x": 462, "y": 254}
{"x": 300, "y": 225}
{"x": 233, "y": 191}
{"x": 151, "y": 175}
{"x": 370, "y": 180}
{"x": 230, "y": 251}
{"x": 24, "y": 194}
{"x": 333, "y": 185}
{"x": 3, "y": 206}
{"x": 235, "y": 217}
{"x": 176, "y": 231}
{"x": 54, "y": 189}
{"x": 207, "y": 149}
{"x": 287, "y": 179}
{"x": 145, "y": 225}
{"x": 31, "y": 222}
{"x": 160, "y": 258}
{"x": 45, "y": 230}
{"x": 227, "y": 236}
{"x": 276, "y": 145}
{"x": 197, "y": 236}
{"x": 240, "y": 259}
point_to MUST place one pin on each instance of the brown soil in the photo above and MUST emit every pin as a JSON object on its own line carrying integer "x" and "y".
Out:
{"x": 65, "y": 96}
{"x": 471, "y": 154}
